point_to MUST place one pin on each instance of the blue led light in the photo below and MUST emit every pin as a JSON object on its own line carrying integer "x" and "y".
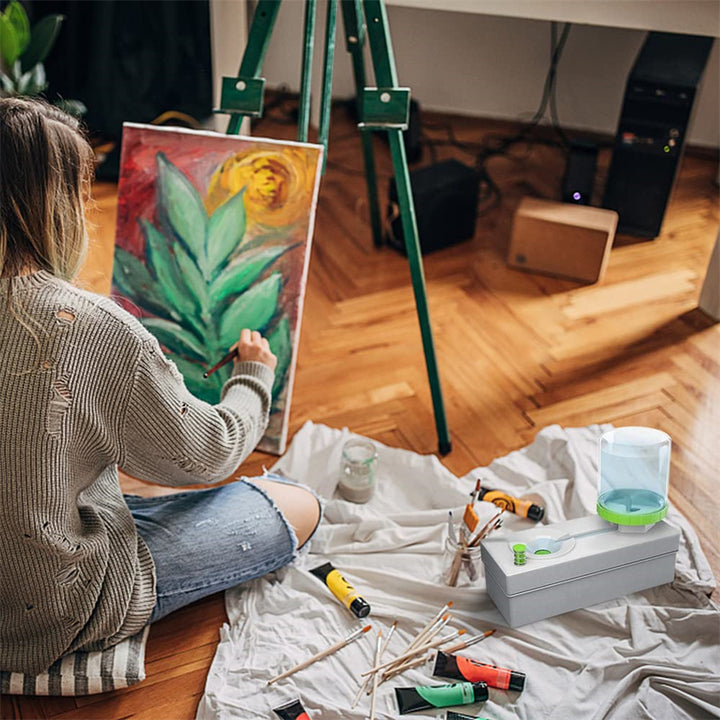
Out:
{"x": 576, "y": 196}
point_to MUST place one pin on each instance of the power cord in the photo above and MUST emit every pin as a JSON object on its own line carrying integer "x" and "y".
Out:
{"x": 494, "y": 145}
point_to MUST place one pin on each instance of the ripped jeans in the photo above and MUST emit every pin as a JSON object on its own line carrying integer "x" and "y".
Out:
{"x": 204, "y": 541}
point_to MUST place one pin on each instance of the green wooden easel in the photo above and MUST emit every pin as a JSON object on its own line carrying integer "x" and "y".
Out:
{"x": 383, "y": 108}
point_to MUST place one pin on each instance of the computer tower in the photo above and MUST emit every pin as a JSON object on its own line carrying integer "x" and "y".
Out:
{"x": 653, "y": 125}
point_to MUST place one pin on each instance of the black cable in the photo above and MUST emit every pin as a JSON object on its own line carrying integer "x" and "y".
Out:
{"x": 554, "y": 115}
{"x": 548, "y": 91}
{"x": 494, "y": 145}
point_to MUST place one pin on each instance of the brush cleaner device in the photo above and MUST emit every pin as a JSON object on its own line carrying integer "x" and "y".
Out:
{"x": 626, "y": 547}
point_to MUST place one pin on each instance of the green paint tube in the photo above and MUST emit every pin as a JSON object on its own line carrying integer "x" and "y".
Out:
{"x": 426, "y": 697}
{"x": 459, "y": 716}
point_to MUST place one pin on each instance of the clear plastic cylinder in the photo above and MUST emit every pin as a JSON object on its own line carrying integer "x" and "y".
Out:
{"x": 634, "y": 472}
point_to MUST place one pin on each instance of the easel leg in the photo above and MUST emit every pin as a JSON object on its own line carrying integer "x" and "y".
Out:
{"x": 412, "y": 247}
{"x": 261, "y": 29}
{"x": 326, "y": 100}
{"x": 355, "y": 41}
{"x": 386, "y": 76}
{"x": 305, "y": 80}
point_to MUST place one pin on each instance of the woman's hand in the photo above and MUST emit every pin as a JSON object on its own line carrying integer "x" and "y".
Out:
{"x": 252, "y": 346}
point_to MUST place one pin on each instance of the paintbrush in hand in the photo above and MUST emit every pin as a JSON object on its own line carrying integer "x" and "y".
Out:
{"x": 228, "y": 358}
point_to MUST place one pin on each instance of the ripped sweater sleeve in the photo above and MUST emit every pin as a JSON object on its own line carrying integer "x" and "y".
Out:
{"x": 170, "y": 437}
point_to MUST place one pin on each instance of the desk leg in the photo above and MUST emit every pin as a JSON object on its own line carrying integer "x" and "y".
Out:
{"x": 710, "y": 295}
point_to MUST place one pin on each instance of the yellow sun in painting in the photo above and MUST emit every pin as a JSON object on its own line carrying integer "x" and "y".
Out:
{"x": 278, "y": 185}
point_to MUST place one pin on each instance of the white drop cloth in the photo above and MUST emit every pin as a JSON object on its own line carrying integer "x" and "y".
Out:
{"x": 652, "y": 655}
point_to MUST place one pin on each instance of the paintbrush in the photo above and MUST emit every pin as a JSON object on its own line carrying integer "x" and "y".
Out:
{"x": 496, "y": 525}
{"x": 470, "y": 641}
{"x": 367, "y": 679}
{"x": 460, "y": 551}
{"x": 378, "y": 651}
{"x": 228, "y": 358}
{"x": 451, "y": 529}
{"x": 477, "y": 491}
{"x": 391, "y": 672}
{"x": 488, "y": 527}
{"x": 470, "y": 517}
{"x": 414, "y": 652}
{"x": 429, "y": 635}
{"x": 323, "y": 653}
{"x": 421, "y": 635}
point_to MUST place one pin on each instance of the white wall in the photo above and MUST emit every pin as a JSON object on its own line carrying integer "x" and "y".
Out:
{"x": 229, "y": 25}
{"x": 494, "y": 66}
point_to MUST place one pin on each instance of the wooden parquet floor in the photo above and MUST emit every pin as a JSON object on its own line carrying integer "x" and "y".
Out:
{"x": 516, "y": 352}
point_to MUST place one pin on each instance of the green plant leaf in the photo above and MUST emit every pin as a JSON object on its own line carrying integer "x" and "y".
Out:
{"x": 279, "y": 341}
{"x": 9, "y": 41}
{"x": 175, "y": 338}
{"x": 42, "y": 39}
{"x": 226, "y": 230}
{"x": 16, "y": 14}
{"x": 236, "y": 278}
{"x": 181, "y": 208}
{"x": 164, "y": 267}
{"x": 191, "y": 275}
{"x": 7, "y": 83}
{"x": 253, "y": 309}
{"x": 33, "y": 82}
{"x": 132, "y": 277}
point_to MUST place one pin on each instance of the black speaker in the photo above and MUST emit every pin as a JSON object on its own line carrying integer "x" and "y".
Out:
{"x": 446, "y": 205}
{"x": 651, "y": 132}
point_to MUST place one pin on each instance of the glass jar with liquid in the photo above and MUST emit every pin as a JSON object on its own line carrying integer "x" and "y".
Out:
{"x": 358, "y": 470}
{"x": 634, "y": 472}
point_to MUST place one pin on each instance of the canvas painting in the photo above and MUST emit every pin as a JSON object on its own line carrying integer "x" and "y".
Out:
{"x": 213, "y": 235}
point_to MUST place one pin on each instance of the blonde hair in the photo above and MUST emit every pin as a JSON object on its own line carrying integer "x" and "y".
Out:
{"x": 46, "y": 167}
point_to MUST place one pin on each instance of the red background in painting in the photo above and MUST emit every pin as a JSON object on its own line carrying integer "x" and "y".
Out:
{"x": 197, "y": 155}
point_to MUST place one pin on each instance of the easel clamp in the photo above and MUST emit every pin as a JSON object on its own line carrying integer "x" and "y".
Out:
{"x": 385, "y": 108}
{"x": 243, "y": 95}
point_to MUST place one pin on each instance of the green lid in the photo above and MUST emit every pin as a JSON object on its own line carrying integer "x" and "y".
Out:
{"x": 632, "y": 519}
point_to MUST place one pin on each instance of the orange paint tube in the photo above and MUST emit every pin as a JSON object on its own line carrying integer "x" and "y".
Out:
{"x": 460, "y": 668}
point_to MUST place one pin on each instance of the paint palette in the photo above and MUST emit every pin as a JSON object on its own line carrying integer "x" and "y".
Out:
{"x": 574, "y": 564}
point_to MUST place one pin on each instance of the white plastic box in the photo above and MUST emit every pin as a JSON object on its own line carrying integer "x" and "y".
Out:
{"x": 583, "y": 562}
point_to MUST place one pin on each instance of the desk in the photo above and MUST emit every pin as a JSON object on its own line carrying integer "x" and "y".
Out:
{"x": 693, "y": 17}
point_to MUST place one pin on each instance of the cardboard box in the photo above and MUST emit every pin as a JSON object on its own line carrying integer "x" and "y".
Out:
{"x": 563, "y": 240}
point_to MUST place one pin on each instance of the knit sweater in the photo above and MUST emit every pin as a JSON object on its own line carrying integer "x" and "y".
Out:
{"x": 93, "y": 393}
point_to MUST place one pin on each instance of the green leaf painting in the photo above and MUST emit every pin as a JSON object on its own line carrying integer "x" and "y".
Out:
{"x": 280, "y": 344}
{"x": 225, "y": 232}
{"x": 181, "y": 209}
{"x": 253, "y": 309}
{"x": 215, "y": 241}
{"x": 237, "y": 277}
